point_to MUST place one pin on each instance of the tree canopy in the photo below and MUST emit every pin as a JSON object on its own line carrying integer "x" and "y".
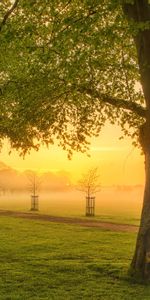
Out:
{"x": 66, "y": 67}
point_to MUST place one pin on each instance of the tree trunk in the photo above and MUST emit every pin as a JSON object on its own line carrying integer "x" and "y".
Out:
{"x": 139, "y": 12}
{"x": 140, "y": 266}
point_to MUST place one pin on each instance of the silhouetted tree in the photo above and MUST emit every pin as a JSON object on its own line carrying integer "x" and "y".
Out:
{"x": 90, "y": 185}
{"x": 90, "y": 182}
{"x": 34, "y": 185}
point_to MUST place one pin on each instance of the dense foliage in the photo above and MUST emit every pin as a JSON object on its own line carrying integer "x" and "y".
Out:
{"x": 66, "y": 66}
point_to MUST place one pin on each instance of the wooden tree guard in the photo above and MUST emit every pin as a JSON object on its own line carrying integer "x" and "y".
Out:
{"x": 90, "y": 206}
{"x": 34, "y": 202}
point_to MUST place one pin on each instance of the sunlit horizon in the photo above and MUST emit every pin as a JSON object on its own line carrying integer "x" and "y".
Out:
{"x": 119, "y": 162}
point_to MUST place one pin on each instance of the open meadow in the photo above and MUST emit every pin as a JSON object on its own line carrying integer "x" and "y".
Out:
{"x": 44, "y": 260}
{"x": 122, "y": 206}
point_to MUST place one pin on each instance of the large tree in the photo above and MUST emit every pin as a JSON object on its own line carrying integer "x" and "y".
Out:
{"x": 67, "y": 66}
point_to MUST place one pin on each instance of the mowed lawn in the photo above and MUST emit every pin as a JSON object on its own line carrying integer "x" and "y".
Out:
{"x": 42, "y": 260}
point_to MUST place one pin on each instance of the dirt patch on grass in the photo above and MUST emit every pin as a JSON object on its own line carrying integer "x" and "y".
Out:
{"x": 72, "y": 221}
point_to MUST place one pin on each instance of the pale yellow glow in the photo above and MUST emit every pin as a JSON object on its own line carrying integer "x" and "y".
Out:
{"x": 119, "y": 162}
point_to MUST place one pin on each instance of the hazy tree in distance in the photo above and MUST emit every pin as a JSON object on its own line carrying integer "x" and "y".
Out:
{"x": 66, "y": 67}
{"x": 89, "y": 184}
{"x": 34, "y": 187}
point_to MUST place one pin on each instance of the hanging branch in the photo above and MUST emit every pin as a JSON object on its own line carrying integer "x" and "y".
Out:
{"x": 8, "y": 13}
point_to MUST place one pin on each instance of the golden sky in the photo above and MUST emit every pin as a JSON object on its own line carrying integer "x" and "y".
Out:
{"x": 118, "y": 161}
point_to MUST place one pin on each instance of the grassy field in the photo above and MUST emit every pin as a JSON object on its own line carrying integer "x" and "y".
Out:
{"x": 41, "y": 260}
{"x": 111, "y": 205}
{"x": 123, "y": 219}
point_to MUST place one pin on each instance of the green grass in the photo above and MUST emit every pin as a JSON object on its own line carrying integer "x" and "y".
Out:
{"x": 124, "y": 219}
{"x": 119, "y": 219}
{"x": 41, "y": 260}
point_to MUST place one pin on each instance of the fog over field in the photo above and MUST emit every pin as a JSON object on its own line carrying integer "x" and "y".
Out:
{"x": 58, "y": 196}
{"x": 110, "y": 201}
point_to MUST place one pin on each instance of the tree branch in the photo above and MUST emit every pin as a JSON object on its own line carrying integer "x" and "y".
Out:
{"x": 119, "y": 103}
{"x": 8, "y": 13}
